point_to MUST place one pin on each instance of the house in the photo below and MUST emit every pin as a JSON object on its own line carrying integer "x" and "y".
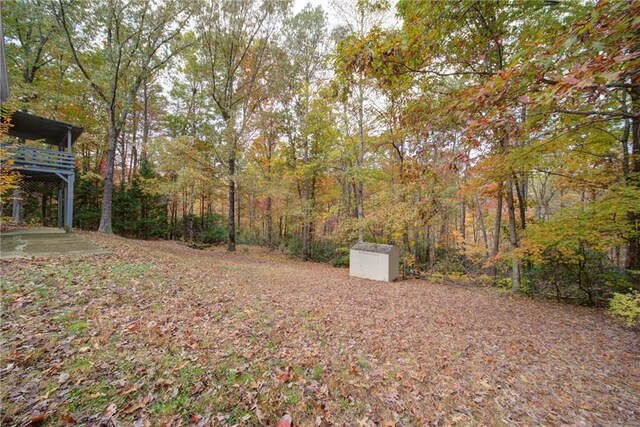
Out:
{"x": 55, "y": 163}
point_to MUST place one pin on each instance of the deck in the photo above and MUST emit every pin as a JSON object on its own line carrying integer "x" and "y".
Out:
{"x": 40, "y": 160}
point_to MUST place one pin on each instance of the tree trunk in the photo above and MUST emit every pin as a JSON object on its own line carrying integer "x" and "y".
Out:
{"x": 238, "y": 205}
{"x": 483, "y": 230}
{"x": 416, "y": 249}
{"x": 522, "y": 200}
{"x": 496, "y": 230}
{"x": 146, "y": 125}
{"x": 427, "y": 247}
{"x": 269, "y": 223}
{"x": 232, "y": 198}
{"x": 306, "y": 220}
{"x": 133, "y": 164}
{"x": 107, "y": 197}
{"x": 360, "y": 159}
{"x": 513, "y": 237}
{"x": 405, "y": 239}
{"x": 123, "y": 155}
{"x": 463, "y": 228}
{"x": 231, "y": 146}
{"x": 633, "y": 253}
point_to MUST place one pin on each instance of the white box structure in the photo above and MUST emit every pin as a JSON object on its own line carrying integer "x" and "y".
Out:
{"x": 374, "y": 261}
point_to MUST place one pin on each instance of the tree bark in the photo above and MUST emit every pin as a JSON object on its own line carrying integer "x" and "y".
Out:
{"x": 306, "y": 220}
{"x": 496, "y": 230}
{"x": 522, "y": 200}
{"x": 483, "y": 230}
{"x": 269, "y": 223}
{"x": 633, "y": 253}
{"x": 238, "y": 207}
{"x": 231, "y": 247}
{"x": 360, "y": 159}
{"x": 146, "y": 124}
{"x": 107, "y": 197}
{"x": 231, "y": 165}
{"x": 513, "y": 237}
{"x": 463, "y": 227}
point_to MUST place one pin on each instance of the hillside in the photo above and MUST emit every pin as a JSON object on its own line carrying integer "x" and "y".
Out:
{"x": 161, "y": 334}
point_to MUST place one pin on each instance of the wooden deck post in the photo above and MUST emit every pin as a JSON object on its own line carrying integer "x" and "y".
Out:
{"x": 68, "y": 202}
{"x": 16, "y": 212}
{"x": 60, "y": 205}
{"x": 68, "y": 211}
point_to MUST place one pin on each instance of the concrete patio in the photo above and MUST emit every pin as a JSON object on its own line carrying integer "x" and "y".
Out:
{"x": 38, "y": 242}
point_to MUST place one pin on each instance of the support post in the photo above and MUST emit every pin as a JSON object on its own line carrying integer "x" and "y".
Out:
{"x": 16, "y": 212}
{"x": 60, "y": 205}
{"x": 68, "y": 205}
{"x": 68, "y": 202}
{"x": 69, "y": 140}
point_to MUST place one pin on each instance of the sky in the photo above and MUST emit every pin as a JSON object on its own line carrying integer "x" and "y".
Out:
{"x": 298, "y": 5}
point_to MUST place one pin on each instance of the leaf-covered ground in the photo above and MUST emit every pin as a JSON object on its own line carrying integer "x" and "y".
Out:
{"x": 160, "y": 334}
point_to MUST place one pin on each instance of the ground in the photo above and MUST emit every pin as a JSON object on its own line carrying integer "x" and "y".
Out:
{"x": 156, "y": 333}
{"x": 44, "y": 241}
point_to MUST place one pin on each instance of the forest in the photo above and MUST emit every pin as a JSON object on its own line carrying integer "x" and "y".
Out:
{"x": 496, "y": 142}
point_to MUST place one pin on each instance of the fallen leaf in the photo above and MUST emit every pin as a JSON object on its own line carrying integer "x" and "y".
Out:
{"x": 36, "y": 419}
{"x": 285, "y": 421}
{"x": 67, "y": 419}
{"x": 284, "y": 376}
{"x": 63, "y": 377}
{"x": 259, "y": 415}
{"x": 134, "y": 406}
{"x": 108, "y": 413}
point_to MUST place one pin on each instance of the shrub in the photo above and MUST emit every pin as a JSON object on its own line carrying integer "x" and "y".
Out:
{"x": 209, "y": 229}
{"x": 626, "y": 307}
{"x": 587, "y": 276}
{"x": 342, "y": 257}
{"x": 212, "y": 235}
{"x": 320, "y": 250}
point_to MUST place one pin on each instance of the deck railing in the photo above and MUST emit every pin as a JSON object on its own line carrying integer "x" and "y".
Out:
{"x": 40, "y": 159}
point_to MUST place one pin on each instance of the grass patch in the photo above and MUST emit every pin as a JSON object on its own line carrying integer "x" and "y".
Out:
{"x": 72, "y": 325}
{"x": 292, "y": 397}
{"x": 176, "y": 404}
{"x": 42, "y": 292}
{"x": 77, "y": 327}
{"x": 317, "y": 372}
{"x": 79, "y": 364}
{"x": 124, "y": 270}
{"x": 345, "y": 403}
{"x": 305, "y": 314}
{"x": 90, "y": 399}
{"x": 362, "y": 363}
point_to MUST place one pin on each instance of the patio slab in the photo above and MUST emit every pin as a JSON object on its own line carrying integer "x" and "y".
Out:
{"x": 39, "y": 242}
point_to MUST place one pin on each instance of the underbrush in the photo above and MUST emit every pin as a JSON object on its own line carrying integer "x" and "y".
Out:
{"x": 626, "y": 307}
{"x": 320, "y": 250}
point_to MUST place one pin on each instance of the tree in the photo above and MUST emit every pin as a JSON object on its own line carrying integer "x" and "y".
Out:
{"x": 132, "y": 41}
{"x": 33, "y": 34}
{"x": 305, "y": 46}
{"x": 234, "y": 41}
{"x": 359, "y": 17}
{"x": 10, "y": 178}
